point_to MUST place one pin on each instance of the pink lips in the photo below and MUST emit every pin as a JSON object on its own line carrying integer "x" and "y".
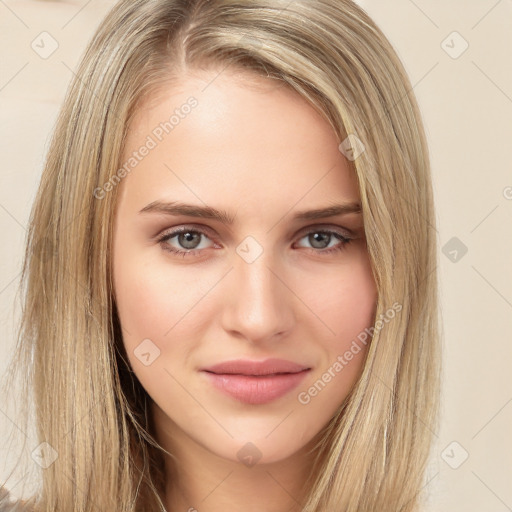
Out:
{"x": 256, "y": 382}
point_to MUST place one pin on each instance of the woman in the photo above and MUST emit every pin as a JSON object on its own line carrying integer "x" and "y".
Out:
{"x": 231, "y": 294}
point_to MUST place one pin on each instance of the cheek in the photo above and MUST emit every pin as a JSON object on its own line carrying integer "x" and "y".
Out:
{"x": 347, "y": 310}
{"x": 146, "y": 289}
{"x": 153, "y": 315}
{"x": 147, "y": 305}
{"x": 344, "y": 300}
{"x": 159, "y": 302}
{"x": 143, "y": 305}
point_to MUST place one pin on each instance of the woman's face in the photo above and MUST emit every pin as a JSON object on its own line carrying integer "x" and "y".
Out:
{"x": 195, "y": 288}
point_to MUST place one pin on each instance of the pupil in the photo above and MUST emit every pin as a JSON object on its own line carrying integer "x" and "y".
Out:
{"x": 320, "y": 238}
{"x": 189, "y": 240}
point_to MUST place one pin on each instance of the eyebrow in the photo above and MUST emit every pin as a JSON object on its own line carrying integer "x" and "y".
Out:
{"x": 207, "y": 212}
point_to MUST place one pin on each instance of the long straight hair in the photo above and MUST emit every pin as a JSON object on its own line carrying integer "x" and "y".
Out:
{"x": 89, "y": 407}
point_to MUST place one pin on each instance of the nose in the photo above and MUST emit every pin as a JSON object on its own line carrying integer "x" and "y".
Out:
{"x": 258, "y": 306}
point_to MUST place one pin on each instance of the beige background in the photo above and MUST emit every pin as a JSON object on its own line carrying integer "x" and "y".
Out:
{"x": 466, "y": 101}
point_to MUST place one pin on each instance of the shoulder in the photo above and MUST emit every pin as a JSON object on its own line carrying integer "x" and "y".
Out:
{"x": 9, "y": 504}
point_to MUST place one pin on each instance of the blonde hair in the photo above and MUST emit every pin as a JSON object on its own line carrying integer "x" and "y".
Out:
{"x": 89, "y": 407}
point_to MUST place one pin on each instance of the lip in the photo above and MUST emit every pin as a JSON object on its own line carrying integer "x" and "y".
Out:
{"x": 256, "y": 382}
{"x": 250, "y": 367}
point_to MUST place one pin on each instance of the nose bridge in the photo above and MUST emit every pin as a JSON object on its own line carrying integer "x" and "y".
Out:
{"x": 259, "y": 304}
{"x": 256, "y": 280}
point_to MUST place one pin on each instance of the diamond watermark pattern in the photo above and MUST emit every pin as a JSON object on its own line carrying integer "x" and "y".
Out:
{"x": 45, "y": 45}
{"x": 454, "y": 455}
{"x": 352, "y": 147}
{"x": 44, "y": 455}
{"x": 454, "y": 249}
{"x": 454, "y": 45}
{"x": 249, "y": 249}
{"x": 147, "y": 352}
{"x": 249, "y": 454}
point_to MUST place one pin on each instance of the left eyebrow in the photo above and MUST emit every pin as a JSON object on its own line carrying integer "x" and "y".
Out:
{"x": 329, "y": 211}
{"x": 207, "y": 212}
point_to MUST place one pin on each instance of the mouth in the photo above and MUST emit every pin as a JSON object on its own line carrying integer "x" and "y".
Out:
{"x": 260, "y": 375}
{"x": 251, "y": 368}
{"x": 256, "y": 389}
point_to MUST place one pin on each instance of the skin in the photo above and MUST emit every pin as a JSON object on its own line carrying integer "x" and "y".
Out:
{"x": 259, "y": 151}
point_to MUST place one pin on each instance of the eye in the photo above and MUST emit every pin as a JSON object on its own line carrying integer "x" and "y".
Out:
{"x": 326, "y": 241}
{"x": 186, "y": 241}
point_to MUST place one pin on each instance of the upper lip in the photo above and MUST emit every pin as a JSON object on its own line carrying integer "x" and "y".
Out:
{"x": 249, "y": 367}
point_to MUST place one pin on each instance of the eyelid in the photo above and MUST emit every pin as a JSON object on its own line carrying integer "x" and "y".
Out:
{"x": 175, "y": 230}
{"x": 345, "y": 232}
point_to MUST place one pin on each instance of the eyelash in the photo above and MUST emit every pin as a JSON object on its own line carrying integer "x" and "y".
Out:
{"x": 192, "y": 252}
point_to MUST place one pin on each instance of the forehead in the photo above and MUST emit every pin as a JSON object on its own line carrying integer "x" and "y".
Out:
{"x": 226, "y": 137}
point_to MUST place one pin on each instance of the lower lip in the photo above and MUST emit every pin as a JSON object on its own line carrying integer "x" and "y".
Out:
{"x": 256, "y": 389}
